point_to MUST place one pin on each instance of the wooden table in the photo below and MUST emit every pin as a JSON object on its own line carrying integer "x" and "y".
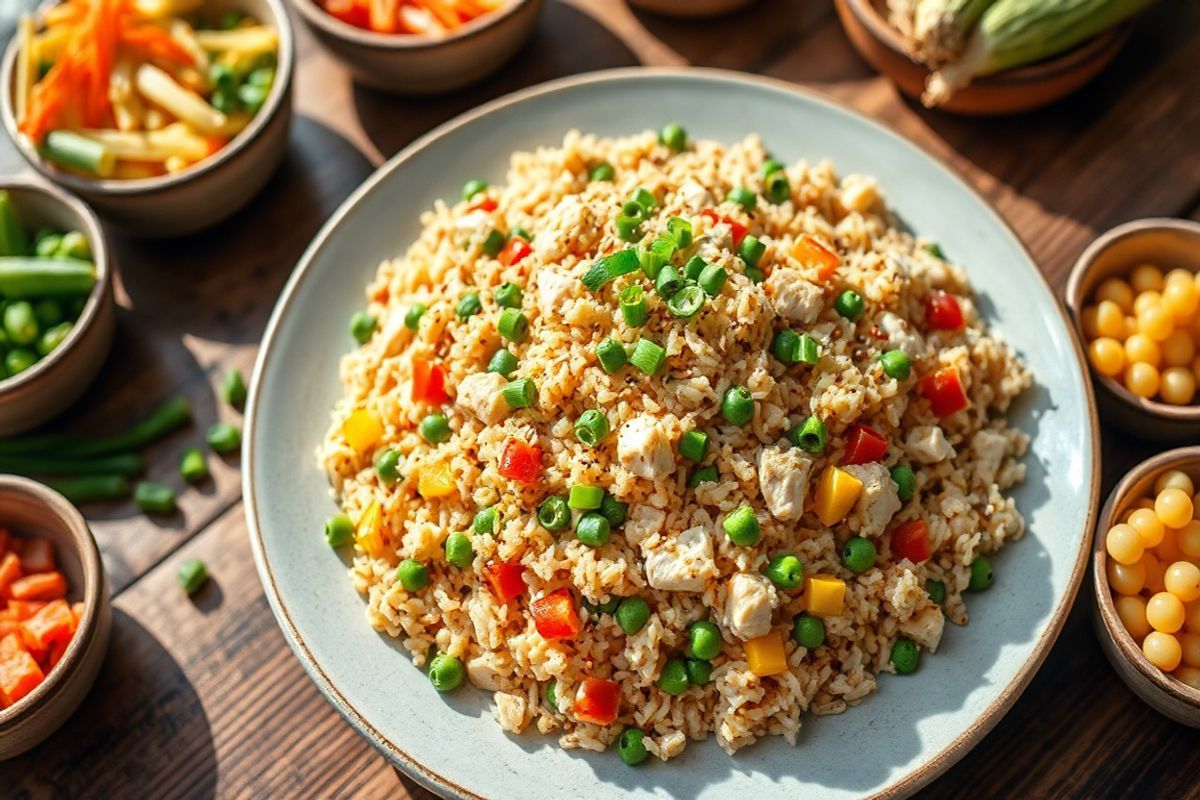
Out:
{"x": 204, "y": 698}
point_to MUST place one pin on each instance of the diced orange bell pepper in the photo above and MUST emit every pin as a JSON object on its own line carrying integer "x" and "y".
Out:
{"x": 362, "y": 430}
{"x": 837, "y": 492}
{"x": 369, "y": 531}
{"x": 42, "y": 586}
{"x": 436, "y": 480}
{"x": 811, "y": 250}
{"x": 824, "y": 595}
{"x": 52, "y": 624}
{"x": 555, "y": 616}
{"x": 429, "y": 383}
{"x": 765, "y": 654}
{"x": 37, "y": 555}
{"x": 597, "y": 701}
{"x": 19, "y": 672}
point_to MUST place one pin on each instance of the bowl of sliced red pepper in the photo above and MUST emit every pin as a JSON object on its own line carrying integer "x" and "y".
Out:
{"x": 55, "y": 616}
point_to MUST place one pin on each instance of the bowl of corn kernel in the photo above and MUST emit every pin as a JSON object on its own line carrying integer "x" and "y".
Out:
{"x": 1146, "y": 558}
{"x": 1134, "y": 295}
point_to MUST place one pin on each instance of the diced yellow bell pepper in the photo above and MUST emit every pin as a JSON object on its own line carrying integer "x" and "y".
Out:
{"x": 765, "y": 654}
{"x": 837, "y": 492}
{"x": 436, "y": 480}
{"x": 362, "y": 430}
{"x": 824, "y": 595}
{"x": 369, "y": 531}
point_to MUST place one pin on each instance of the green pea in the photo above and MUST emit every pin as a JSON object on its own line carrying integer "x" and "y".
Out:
{"x": 981, "y": 574}
{"x": 631, "y": 748}
{"x": 554, "y": 514}
{"x": 192, "y": 575}
{"x": 459, "y": 551}
{"x": 48, "y": 312}
{"x": 387, "y": 466}
{"x": 850, "y": 305}
{"x": 192, "y": 467}
{"x": 552, "y": 694}
{"x": 52, "y": 338}
{"x": 699, "y": 672}
{"x": 632, "y": 614}
{"x": 362, "y": 325}
{"x": 20, "y": 323}
{"x": 786, "y": 571}
{"x": 673, "y": 136}
{"x": 412, "y": 574}
{"x": 339, "y": 531}
{"x": 704, "y": 640}
{"x": 936, "y": 591}
{"x": 743, "y": 197}
{"x": 47, "y": 244}
{"x": 446, "y": 672}
{"x": 412, "y": 317}
{"x": 737, "y": 405}
{"x": 905, "y": 480}
{"x": 223, "y": 438}
{"x": 601, "y": 172}
{"x": 485, "y": 521}
{"x": 808, "y": 631}
{"x": 233, "y": 388}
{"x": 905, "y": 656}
{"x": 673, "y": 679}
{"x": 858, "y": 554}
{"x": 741, "y": 525}
{"x": 434, "y": 428}
{"x": 895, "y": 364}
{"x": 613, "y": 510}
{"x": 74, "y": 245}
{"x": 472, "y": 188}
{"x": 593, "y": 530}
{"x": 468, "y": 306}
{"x": 19, "y": 360}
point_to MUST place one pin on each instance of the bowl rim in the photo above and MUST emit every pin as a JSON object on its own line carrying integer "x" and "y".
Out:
{"x": 1162, "y": 681}
{"x": 1074, "y": 299}
{"x": 280, "y": 88}
{"x": 318, "y": 18}
{"x": 1037, "y": 72}
{"x": 98, "y": 297}
{"x": 92, "y": 566}
{"x": 922, "y": 774}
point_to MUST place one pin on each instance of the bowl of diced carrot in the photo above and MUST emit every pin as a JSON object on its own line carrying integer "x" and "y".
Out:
{"x": 421, "y": 47}
{"x": 166, "y": 115}
{"x": 1146, "y": 559}
{"x": 1134, "y": 295}
{"x": 55, "y": 616}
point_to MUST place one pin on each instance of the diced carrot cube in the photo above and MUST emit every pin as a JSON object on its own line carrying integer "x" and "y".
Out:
{"x": 24, "y": 609}
{"x": 19, "y": 672}
{"x": 10, "y": 570}
{"x": 37, "y": 555}
{"x": 55, "y": 654}
{"x": 77, "y": 611}
{"x": 40, "y": 586}
{"x": 52, "y": 624}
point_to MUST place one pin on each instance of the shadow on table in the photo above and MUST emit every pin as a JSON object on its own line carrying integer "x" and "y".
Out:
{"x": 391, "y": 122}
{"x": 143, "y": 717}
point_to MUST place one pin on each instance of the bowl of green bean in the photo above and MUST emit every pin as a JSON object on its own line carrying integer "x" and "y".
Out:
{"x": 57, "y": 313}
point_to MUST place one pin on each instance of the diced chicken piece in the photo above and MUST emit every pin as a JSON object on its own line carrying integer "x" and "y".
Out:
{"x": 927, "y": 444}
{"x": 988, "y": 448}
{"x": 553, "y": 289}
{"x": 879, "y": 500}
{"x": 783, "y": 478}
{"x": 693, "y": 196}
{"x": 474, "y": 225}
{"x": 485, "y": 671}
{"x": 713, "y": 245}
{"x": 794, "y": 298}
{"x": 566, "y": 226}
{"x": 749, "y": 601}
{"x": 925, "y": 627}
{"x": 512, "y": 711}
{"x": 643, "y": 521}
{"x": 859, "y": 193}
{"x": 479, "y": 393}
{"x": 643, "y": 448}
{"x": 682, "y": 564}
{"x": 901, "y": 335}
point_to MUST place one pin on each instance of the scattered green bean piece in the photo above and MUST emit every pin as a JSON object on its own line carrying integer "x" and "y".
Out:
{"x": 554, "y": 514}
{"x": 508, "y": 295}
{"x": 786, "y": 571}
{"x": 743, "y": 197}
{"x": 593, "y": 530}
{"x": 192, "y": 467}
{"x": 223, "y": 438}
{"x": 468, "y": 306}
{"x": 154, "y": 498}
{"x": 502, "y": 363}
{"x": 233, "y": 388}
{"x": 92, "y": 488}
{"x": 737, "y": 405}
{"x": 809, "y": 436}
{"x": 741, "y": 525}
{"x": 192, "y": 575}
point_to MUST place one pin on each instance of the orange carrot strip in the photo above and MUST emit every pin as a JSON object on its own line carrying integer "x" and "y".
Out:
{"x": 10, "y": 570}
{"x": 442, "y": 11}
{"x": 42, "y": 586}
{"x": 37, "y": 555}
{"x": 24, "y": 609}
{"x": 382, "y": 15}
{"x": 19, "y": 672}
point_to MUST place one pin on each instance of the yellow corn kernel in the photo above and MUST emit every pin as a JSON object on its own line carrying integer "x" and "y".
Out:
{"x": 837, "y": 492}
{"x": 362, "y": 430}
{"x": 369, "y": 531}
{"x": 765, "y": 654}
{"x": 436, "y": 480}
{"x": 824, "y": 595}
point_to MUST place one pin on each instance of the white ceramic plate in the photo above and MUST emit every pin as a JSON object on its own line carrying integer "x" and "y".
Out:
{"x": 901, "y": 737}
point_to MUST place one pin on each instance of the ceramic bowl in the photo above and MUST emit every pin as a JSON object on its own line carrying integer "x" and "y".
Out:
{"x": 422, "y": 65}
{"x": 30, "y": 509}
{"x": 1169, "y": 243}
{"x": 53, "y": 383}
{"x": 1166, "y": 694}
{"x": 1008, "y": 92}
{"x": 691, "y": 9}
{"x": 204, "y": 194}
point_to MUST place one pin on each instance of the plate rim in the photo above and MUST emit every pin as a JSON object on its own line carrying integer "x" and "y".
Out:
{"x": 915, "y": 779}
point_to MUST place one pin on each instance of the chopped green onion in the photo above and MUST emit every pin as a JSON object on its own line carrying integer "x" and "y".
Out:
{"x": 751, "y": 250}
{"x": 633, "y": 209}
{"x": 605, "y": 269}
{"x": 633, "y": 305}
{"x": 503, "y": 363}
{"x": 435, "y": 428}
{"x": 468, "y": 306}
{"x": 707, "y": 474}
{"x": 78, "y": 152}
{"x": 673, "y": 136}
{"x": 554, "y": 514}
{"x": 593, "y": 530}
{"x": 591, "y": 428}
{"x": 936, "y": 591}
{"x": 712, "y": 279}
{"x": 646, "y": 200}
{"x": 485, "y": 521}
{"x": 472, "y": 188}
{"x": 494, "y": 243}
{"x": 755, "y": 274}
{"x": 687, "y": 302}
{"x": 776, "y": 187}
{"x": 743, "y": 197}
{"x": 655, "y": 256}
{"x": 521, "y": 393}
{"x": 613, "y": 510}
{"x": 786, "y": 347}
{"x": 648, "y": 356}
{"x": 934, "y": 249}
{"x": 680, "y": 230}
{"x": 629, "y": 229}
{"x": 668, "y": 282}
{"x": 809, "y": 436}
{"x": 508, "y": 295}
{"x": 601, "y": 172}
{"x": 809, "y": 352}
{"x": 895, "y": 364}
{"x": 412, "y": 317}
{"x": 769, "y": 166}
{"x": 513, "y": 325}
{"x": 694, "y": 268}
{"x": 521, "y": 233}
{"x": 850, "y": 305}
{"x": 741, "y": 525}
{"x": 585, "y": 498}
{"x": 693, "y": 445}
{"x": 737, "y": 405}
{"x": 612, "y": 355}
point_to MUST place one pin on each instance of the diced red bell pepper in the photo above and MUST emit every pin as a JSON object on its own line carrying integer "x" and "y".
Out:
{"x": 944, "y": 390}
{"x": 520, "y": 461}
{"x": 911, "y": 540}
{"x": 811, "y": 250}
{"x": 555, "y": 615}
{"x": 507, "y": 579}
{"x": 513, "y": 252}
{"x": 597, "y": 701}
{"x": 737, "y": 230}
{"x": 429, "y": 383}
{"x": 350, "y": 12}
{"x": 53, "y": 623}
{"x": 484, "y": 203}
{"x": 866, "y": 445}
{"x": 943, "y": 313}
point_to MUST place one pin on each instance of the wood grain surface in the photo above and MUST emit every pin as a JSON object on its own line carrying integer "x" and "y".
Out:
{"x": 204, "y": 699}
